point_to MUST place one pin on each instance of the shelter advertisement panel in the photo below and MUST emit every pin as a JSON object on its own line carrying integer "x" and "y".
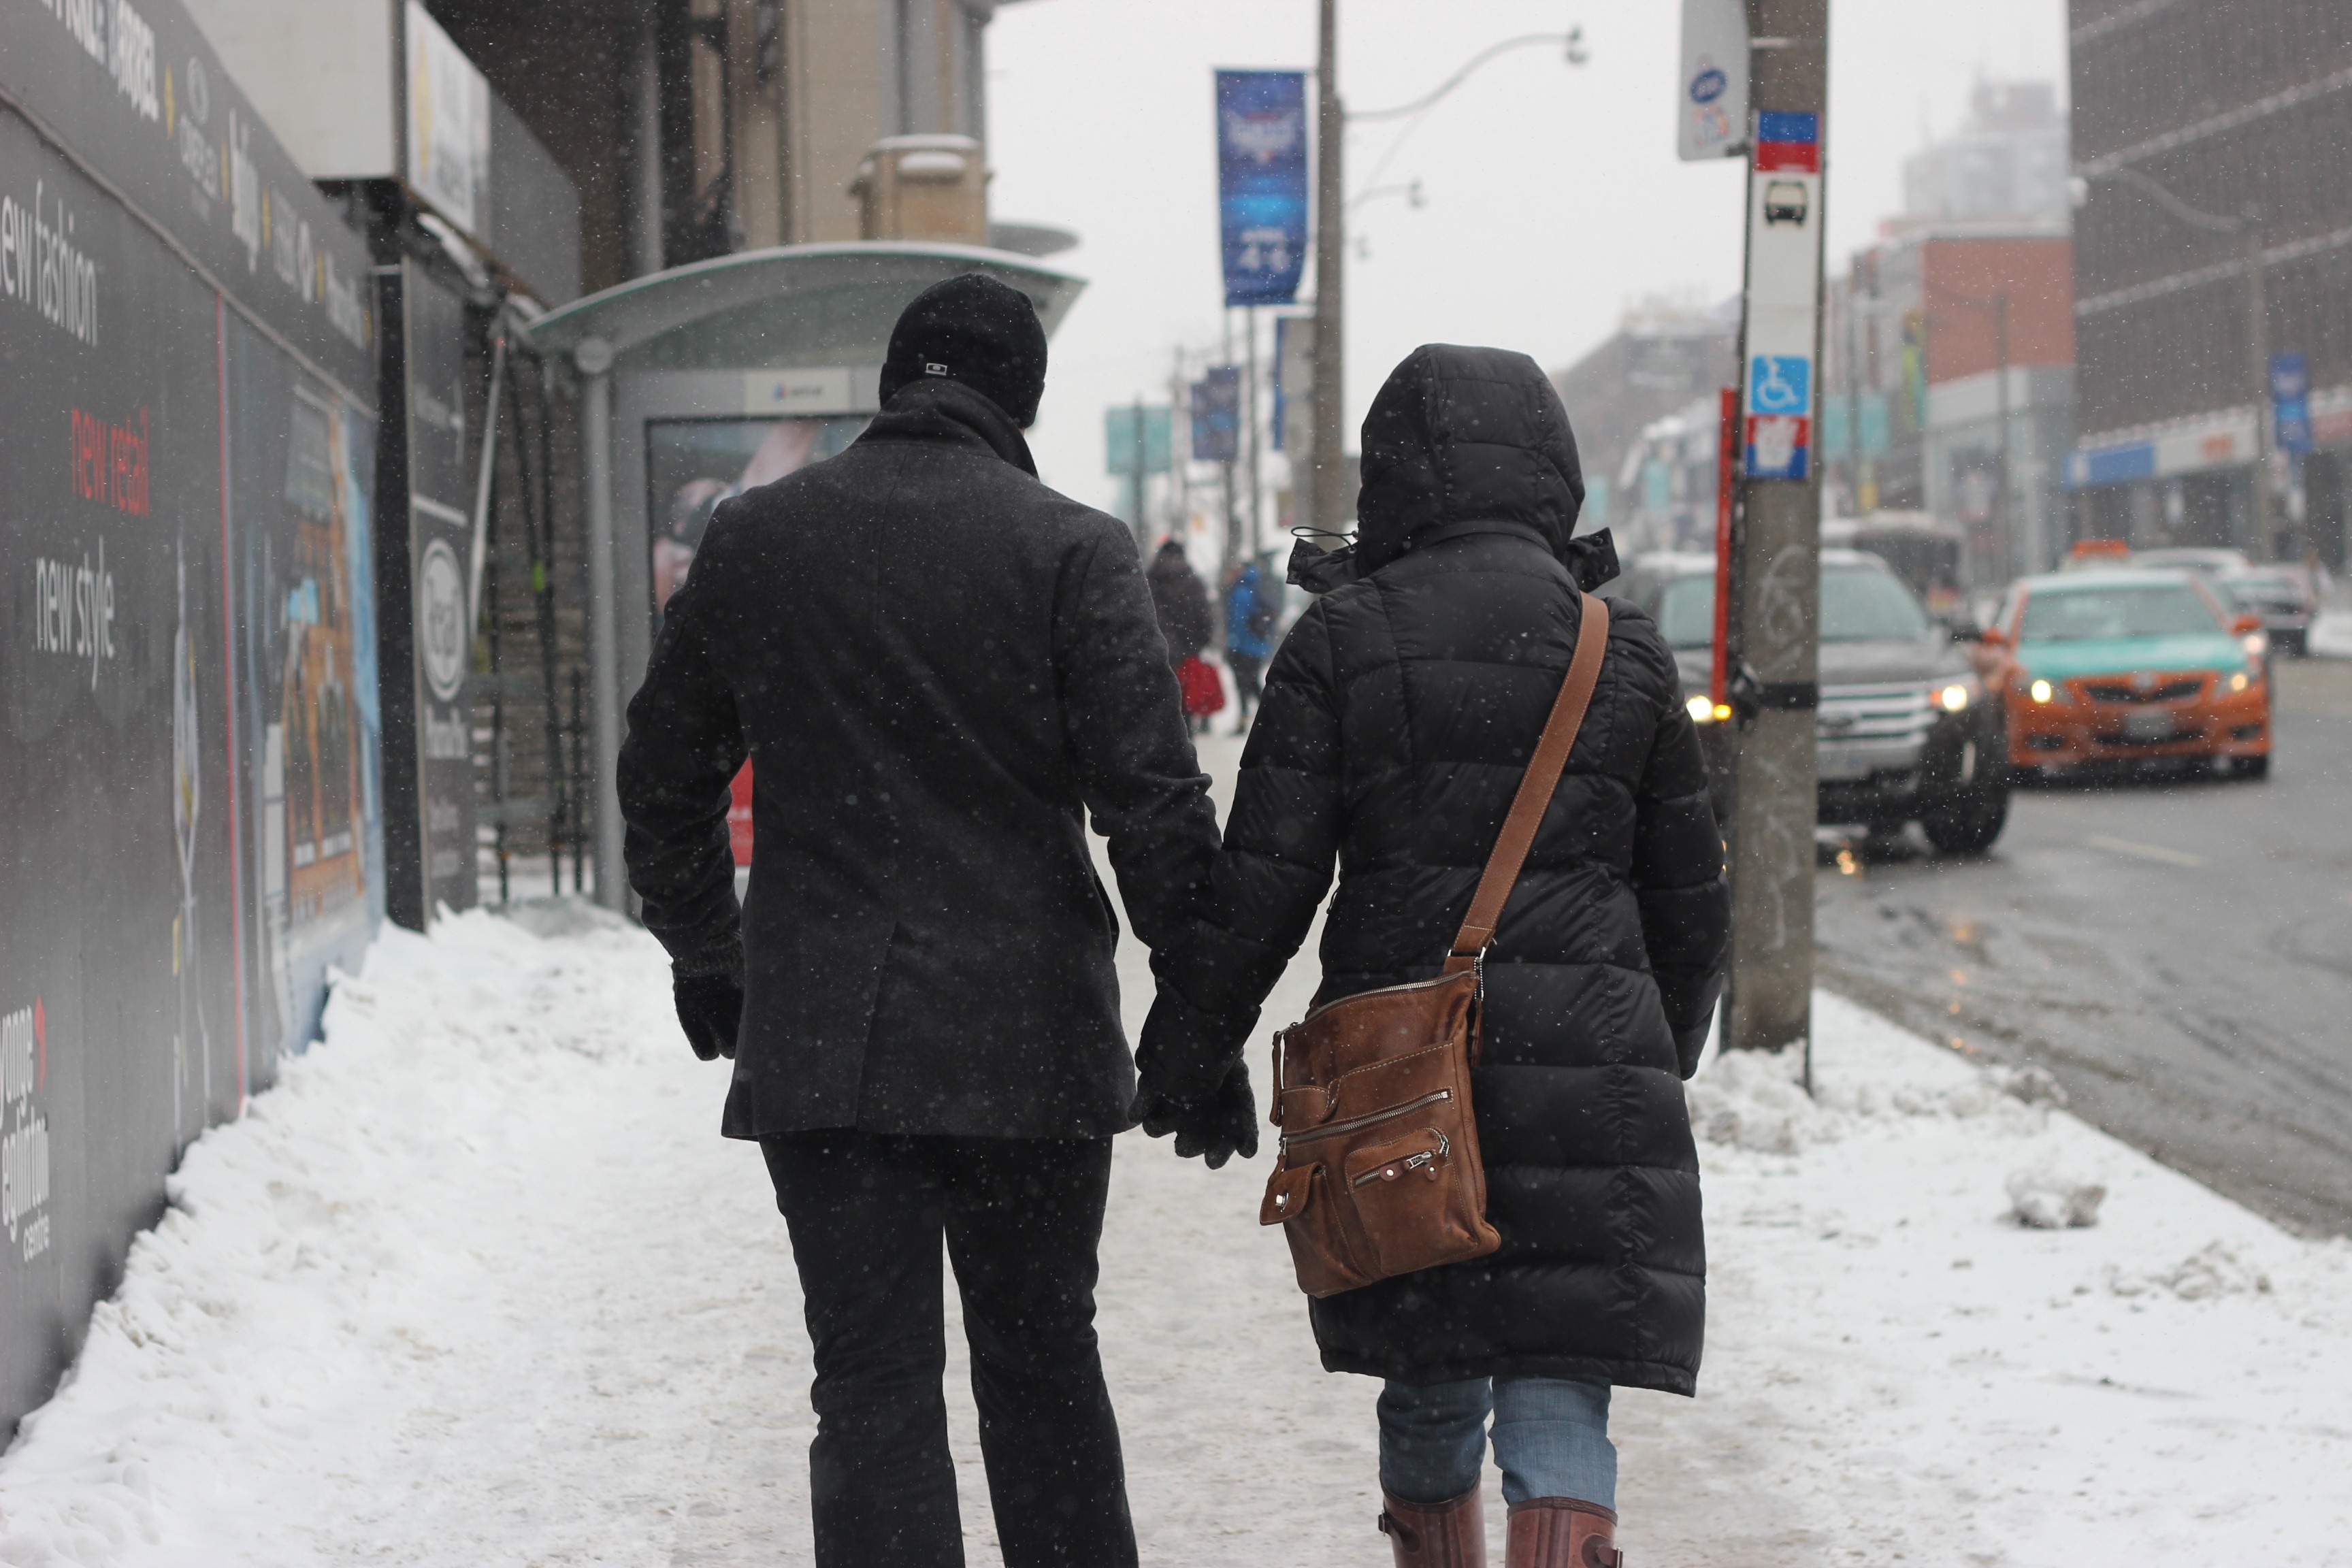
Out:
{"x": 692, "y": 464}
{"x": 1262, "y": 183}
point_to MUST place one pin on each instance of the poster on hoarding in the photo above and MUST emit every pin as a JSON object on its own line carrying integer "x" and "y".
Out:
{"x": 1262, "y": 183}
{"x": 440, "y": 635}
{"x": 186, "y": 455}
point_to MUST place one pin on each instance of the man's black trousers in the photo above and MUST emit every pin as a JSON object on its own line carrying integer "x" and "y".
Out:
{"x": 1022, "y": 1218}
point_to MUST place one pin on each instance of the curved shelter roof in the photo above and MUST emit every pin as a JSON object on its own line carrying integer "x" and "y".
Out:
{"x": 794, "y": 307}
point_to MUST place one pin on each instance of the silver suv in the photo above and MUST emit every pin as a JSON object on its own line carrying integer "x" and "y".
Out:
{"x": 1903, "y": 732}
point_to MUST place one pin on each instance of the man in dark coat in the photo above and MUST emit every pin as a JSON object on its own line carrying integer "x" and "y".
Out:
{"x": 1181, "y": 602}
{"x": 939, "y": 667}
{"x": 1399, "y": 717}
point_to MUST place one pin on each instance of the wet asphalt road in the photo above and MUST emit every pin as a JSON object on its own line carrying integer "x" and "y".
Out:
{"x": 2178, "y": 952}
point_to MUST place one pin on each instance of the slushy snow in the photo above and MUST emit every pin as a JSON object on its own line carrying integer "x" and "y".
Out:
{"x": 480, "y": 1284}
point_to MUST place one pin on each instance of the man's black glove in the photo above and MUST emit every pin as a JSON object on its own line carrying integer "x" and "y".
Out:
{"x": 1216, "y": 1129}
{"x": 711, "y": 1011}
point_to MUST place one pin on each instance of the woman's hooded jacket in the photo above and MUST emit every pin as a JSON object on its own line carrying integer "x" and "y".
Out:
{"x": 1399, "y": 716}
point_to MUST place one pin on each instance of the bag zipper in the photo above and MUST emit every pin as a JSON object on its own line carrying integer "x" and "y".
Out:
{"x": 1315, "y": 1012}
{"x": 1291, "y": 1140}
{"x": 1410, "y": 1162}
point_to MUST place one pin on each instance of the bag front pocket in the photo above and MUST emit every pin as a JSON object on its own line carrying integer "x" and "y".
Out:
{"x": 1412, "y": 1203}
{"x": 1299, "y": 1200}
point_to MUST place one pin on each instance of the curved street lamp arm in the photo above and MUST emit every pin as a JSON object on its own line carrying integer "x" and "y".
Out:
{"x": 1410, "y": 193}
{"x": 1573, "y": 39}
{"x": 2212, "y": 223}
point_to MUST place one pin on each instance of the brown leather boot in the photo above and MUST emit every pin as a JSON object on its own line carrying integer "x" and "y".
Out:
{"x": 1435, "y": 1535}
{"x": 1562, "y": 1533}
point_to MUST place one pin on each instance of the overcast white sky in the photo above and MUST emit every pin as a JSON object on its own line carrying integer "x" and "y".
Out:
{"x": 1554, "y": 197}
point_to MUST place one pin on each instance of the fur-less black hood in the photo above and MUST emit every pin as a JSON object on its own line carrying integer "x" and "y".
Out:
{"x": 1464, "y": 440}
{"x": 1463, "y": 434}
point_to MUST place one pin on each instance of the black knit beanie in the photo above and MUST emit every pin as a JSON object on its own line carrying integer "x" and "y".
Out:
{"x": 979, "y": 331}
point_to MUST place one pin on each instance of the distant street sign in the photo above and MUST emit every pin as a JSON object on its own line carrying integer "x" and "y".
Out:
{"x": 1262, "y": 183}
{"x": 1711, "y": 102}
{"x": 1124, "y": 448}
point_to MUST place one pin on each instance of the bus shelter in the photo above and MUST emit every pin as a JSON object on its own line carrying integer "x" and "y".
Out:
{"x": 700, "y": 382}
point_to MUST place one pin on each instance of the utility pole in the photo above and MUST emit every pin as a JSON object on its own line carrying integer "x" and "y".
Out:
{"x": 1773, "y": 637}
{"x": 1328, "y": 480}
{"x": 1257, "y": 541}
{"x": 2010, "y": 552}
{"x": 2258, "y": 354}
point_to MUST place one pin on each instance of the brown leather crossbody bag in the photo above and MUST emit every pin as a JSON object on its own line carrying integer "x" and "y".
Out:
{"x": 1380, "y": 1172}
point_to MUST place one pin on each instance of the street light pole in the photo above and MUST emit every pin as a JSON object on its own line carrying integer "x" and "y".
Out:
{"x": 1331, "y": 505}
{"x": 2258, "y": 350}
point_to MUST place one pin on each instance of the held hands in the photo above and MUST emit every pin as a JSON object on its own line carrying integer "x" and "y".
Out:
{"x": 711, "y": 1011}
{"x": 1215, "y": 1128}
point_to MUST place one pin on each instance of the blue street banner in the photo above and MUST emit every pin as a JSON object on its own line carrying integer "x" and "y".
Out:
{"x": 1217, "y": 414}
{"x": 1262, "y": 183}
{"x": 2290, "y": 402}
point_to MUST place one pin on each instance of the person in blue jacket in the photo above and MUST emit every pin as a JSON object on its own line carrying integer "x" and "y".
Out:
{"x": 1250, "y": 613}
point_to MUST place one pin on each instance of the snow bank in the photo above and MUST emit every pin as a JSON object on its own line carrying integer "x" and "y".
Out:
{"x": 479, "y": 1284}
{"x": 2331, "y": 634}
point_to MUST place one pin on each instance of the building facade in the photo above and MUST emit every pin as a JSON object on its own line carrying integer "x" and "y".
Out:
{"x": 1664, "y": 357}
{"x": 2212, "y": 145}
{"x": 1949, "y": 387}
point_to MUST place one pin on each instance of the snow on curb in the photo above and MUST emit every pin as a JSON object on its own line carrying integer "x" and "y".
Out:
{"x": 2331, "y": 634}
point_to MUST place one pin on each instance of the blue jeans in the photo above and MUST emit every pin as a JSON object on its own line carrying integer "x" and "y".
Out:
{"x": 1551, "y": 1439}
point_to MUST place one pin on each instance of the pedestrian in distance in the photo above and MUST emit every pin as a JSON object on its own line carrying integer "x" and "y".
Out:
{"x": 1181, "y": 602}
{"x": 1399, "y": 719}
{"x": 941, "y": 668}
{"x": 1250, "y": 612}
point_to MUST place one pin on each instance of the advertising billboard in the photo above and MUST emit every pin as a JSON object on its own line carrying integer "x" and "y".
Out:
{"x": 187, "y": 799}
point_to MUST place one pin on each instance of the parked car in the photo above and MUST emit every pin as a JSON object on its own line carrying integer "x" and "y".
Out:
{"x": 2127, "y": 664}
{"x": 2282, "y": 597}
{"x": 2211, "y": 565}
{"x": 1903, "y": 732}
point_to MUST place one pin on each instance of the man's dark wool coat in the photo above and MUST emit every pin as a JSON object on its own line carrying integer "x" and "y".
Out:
{"x": 938, "y": 666}
{"x": 1399, "y": 716}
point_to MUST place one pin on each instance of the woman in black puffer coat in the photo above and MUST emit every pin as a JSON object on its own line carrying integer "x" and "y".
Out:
{"x": 1398, "y": 718}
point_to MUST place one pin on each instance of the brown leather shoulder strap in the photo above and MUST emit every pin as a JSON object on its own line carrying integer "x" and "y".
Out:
{"x": 1536, "y": 788}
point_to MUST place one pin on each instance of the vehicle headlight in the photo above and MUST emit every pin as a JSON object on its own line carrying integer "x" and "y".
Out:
{"x": 1706, "y": 710}
{"x": 1953, "y": 695}
{"x": 2239, "y": 682}
{"x": 2042, "y": 691}
{"x": 2256, "y": 643}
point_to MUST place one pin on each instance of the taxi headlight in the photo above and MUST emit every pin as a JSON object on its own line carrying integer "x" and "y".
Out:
{"x": 2042, "y": 691}
{"x": 2238, "y": 682}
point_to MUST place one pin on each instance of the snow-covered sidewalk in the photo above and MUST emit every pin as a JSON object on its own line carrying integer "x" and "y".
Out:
{"x": 480, "y": 1284}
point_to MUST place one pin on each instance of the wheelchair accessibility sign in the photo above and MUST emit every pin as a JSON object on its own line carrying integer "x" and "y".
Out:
{"x": 1779, "y": 417}
{"x": 1780, "y": 384}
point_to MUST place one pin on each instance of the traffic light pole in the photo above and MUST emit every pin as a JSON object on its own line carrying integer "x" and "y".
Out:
{"x": 1772, "y": 640}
